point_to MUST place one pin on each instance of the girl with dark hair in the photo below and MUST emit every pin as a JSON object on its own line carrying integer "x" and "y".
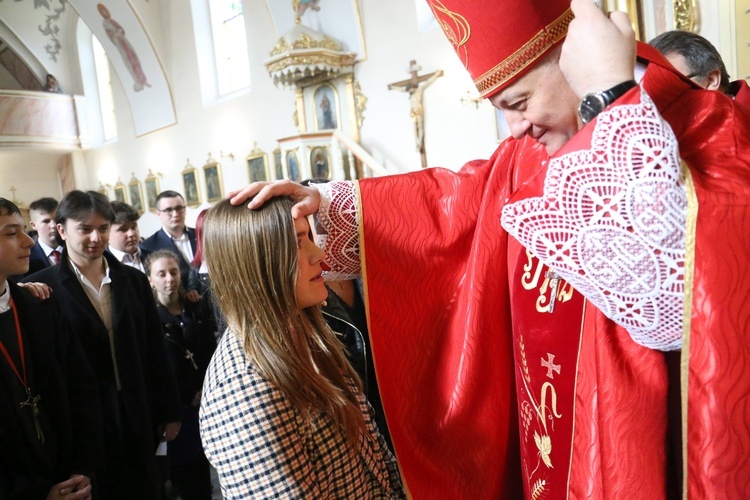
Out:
{"x": 190, "y": 343}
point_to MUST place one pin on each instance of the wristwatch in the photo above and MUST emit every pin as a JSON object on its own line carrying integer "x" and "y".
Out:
{"x": 593, "y": 104}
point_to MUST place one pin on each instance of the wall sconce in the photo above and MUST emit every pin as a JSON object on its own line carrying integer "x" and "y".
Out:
{"x": 222, "y": 155}
{"x": 471, "y": 99}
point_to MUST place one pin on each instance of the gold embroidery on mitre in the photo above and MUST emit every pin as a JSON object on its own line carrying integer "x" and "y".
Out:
{"x": 458, "y": 31}
{"x": 525, "y": 56}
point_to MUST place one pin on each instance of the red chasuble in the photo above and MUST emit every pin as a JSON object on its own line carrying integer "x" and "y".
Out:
{"x": 476, "y": 361}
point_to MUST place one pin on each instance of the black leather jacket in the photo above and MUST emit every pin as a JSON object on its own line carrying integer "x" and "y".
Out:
{"x": 355, "y": 338}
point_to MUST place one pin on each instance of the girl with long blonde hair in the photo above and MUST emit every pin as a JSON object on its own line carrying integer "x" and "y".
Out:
{"x": 283, "y": 412}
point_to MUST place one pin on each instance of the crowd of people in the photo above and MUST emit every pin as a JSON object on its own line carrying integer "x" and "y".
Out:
{"x": 555, "y": 322}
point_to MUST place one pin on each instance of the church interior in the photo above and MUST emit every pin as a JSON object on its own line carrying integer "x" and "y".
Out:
{"x": 204, "y": 96}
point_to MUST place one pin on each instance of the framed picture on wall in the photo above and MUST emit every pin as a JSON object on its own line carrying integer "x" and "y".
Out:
{"x": 257, "y": 167}
{"x": 326, "y": 106}
{"x": 152, "y": 190}
{"x": 278, "y": 166}
{"x": 212, "y": 177}
{"x": 121, "y": 193}
{"x": 292, "y": 165}
{"x": 190, "y": 186}
{"x": 103, "y": 190}
{"x": 136, "y": 194}
{"x": 320, "y": 164}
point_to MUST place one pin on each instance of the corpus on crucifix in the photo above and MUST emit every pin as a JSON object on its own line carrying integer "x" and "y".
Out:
{"x": 415, "y": 87}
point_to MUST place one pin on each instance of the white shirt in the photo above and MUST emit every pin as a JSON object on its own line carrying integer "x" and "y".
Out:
{"x": 132, "y": 260}
{"x": 5, "y": 299}
{"x": 102, "y": 302}
{"x": 183, "y": 245}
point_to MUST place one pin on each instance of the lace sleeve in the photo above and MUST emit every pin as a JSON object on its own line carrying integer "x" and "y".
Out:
{"x": 612, "y": 222}
{"x": 338, "y": 229}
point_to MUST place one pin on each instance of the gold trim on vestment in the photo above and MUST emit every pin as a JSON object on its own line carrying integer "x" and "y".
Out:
{"x": 687, "y": 314}
{"x": 575, "y": 399}
{"x": 525, "y": 56}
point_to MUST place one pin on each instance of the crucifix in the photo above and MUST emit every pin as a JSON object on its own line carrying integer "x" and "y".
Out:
{"x": 33, "y": 403}
{"x": 415, "y": 87}
{"x": 13, "y": 190}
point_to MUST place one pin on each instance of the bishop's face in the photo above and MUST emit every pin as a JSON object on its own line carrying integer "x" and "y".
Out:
{"x": 542, "y": 105}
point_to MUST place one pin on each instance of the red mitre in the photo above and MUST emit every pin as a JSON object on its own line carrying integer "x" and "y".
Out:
{"x": 498, "y": 41}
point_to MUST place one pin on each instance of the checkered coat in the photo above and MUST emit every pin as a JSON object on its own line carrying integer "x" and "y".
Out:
{"x": 263, "y": 447}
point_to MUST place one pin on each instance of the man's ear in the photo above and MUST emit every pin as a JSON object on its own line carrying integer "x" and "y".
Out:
{"x": 713, "y": 80}
{"x": 61, "y": 232}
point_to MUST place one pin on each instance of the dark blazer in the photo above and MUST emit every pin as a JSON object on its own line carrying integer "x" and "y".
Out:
{"x": 38, "y": 259}
{"x": 160, "y": 241}
{"x": 69, "y": 410}
{"x": 149, "y": 388}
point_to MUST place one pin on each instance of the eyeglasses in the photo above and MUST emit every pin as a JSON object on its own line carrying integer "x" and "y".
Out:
{"x": 179, "y": 209}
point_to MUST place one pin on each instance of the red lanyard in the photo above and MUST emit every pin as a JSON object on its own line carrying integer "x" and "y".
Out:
{"x": 20, "y": 349}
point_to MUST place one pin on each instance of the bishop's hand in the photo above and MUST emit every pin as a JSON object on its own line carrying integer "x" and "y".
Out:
{"x": 598, "y": 52}
{"x": 307, "y": 199}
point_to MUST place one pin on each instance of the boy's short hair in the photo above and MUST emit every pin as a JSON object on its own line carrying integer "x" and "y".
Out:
{"x": 124, "y": 213}
{"x": 167, "y": 194}
{"x": 80, "y": 205}
{"x": 44, "y": 205}
{"x": 7, "y": 207}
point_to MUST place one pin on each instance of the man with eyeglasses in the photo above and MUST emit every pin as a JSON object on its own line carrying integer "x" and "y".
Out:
{"x": 174, "y": 235}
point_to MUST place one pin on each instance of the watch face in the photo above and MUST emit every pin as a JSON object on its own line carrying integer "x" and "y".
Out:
{"x": 591, "y": 105}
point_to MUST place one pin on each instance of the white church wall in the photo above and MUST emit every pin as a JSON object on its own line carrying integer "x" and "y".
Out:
{"x": 455, "y": 133}
{"x": 33, "y": 174}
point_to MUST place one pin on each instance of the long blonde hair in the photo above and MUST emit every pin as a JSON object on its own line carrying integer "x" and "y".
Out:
{"x": 252, "y": 263}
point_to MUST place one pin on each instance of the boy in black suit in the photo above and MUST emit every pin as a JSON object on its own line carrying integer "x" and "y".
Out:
{"x": 174, "y": 235}
{"x": 51, "y": 432}
{"x": 124, "y": 236}
{"x": 111, "y": 308}
{"x": 47, "y": 249}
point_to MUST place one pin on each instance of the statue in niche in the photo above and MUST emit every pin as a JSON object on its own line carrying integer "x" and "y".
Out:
{"x": 116, "y": 35}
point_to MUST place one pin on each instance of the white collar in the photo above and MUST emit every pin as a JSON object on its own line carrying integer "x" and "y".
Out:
{"x": 5, "y": 299}
{"x": 48, "y": 249}
{"x": 184, "y": 236}
{"x": 120, "y": 256}
{"x": 84, "y": 279}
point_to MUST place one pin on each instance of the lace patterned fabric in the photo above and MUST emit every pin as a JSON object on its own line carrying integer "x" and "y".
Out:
{"x": 611, "y": 221}
{"x": 338, "y": 217}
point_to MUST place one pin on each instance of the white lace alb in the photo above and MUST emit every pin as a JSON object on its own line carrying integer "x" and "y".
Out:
{"x": 611, "y": 221}
{"x": 337, "y": 215}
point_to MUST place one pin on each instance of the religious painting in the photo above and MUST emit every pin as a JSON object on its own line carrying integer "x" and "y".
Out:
{"x": 121, "y": 192}
{"x": 319, "y": 163}
{"x": 257, "y": 167}
{"x": 326, "y": 105}
{"x": 278, "y": 167}
{"x": 292, "y": 166}
{"x": 152, "y": 190}
{"x": 212, "y": 176}
{"x": 116, "y": 25}
{"x": 103, "y": 190}
{"x": 136, "y": 195}
{"x": 190, "y": 186}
